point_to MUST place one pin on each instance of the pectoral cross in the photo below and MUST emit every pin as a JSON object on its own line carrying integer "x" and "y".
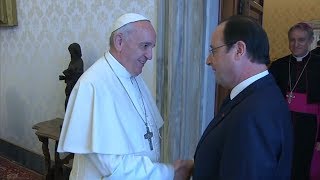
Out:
{"x": 290, "y": 96}
{"x": 148, "y": 136}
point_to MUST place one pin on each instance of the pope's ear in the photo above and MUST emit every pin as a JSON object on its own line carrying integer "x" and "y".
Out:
{"x": 118, "y": 41}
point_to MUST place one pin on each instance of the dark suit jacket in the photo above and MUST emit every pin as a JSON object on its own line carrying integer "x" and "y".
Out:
{"x": 249, "y": 139}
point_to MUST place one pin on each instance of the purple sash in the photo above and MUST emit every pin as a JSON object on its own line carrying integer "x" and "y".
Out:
{"x": 299, "y": 104}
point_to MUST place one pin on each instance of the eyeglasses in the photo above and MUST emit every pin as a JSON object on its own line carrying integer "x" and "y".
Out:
{"x": 212, "y": 50}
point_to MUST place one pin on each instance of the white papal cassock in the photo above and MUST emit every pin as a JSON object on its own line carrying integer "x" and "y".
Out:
{"x": 104, "y": 129}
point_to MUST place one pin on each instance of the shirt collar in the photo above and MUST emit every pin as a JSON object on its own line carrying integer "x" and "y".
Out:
{"x": 241, "y": 86}
{"x": 117, "y": 67}
{"x": 299, "y": 59}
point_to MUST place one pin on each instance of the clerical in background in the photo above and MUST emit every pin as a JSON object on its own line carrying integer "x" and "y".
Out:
{"x": 112, "y": 122}
{"x": 298, "y": 76}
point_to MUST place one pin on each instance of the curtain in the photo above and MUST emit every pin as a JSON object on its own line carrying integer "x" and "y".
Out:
{"x": 180, "y": 73}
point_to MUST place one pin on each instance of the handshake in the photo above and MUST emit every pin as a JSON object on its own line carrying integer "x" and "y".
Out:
{"x": 183, "y": 169}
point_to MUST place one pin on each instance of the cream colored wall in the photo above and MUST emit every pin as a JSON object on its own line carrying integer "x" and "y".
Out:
{"x": 280, "y": 15}
{"x": 34, "y": 53}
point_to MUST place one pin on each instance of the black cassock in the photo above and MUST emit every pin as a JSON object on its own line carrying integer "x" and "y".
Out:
{"x": 305, "y": 78}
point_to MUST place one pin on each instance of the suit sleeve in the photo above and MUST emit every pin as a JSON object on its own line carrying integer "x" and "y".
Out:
{"x": 130, "y": 167}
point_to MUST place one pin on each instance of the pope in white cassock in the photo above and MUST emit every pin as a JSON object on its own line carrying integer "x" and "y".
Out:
{"x": 112, "y": 122}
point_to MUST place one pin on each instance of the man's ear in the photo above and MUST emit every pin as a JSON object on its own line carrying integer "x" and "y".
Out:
{"x": 118, "y": 41}
{"x": 240, "y": 48}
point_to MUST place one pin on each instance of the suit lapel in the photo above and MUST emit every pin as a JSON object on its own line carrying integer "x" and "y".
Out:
{"x": 223, "y": 112}
{"x": 226, "y": 109}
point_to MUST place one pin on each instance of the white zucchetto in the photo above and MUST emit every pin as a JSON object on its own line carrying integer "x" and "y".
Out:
{"x": 126, "y": 19}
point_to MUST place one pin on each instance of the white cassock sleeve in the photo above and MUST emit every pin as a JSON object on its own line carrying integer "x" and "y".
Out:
{"x": 130, "y": 167}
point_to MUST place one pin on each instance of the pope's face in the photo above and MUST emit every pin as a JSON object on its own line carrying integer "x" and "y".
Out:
{"x": 138, "y": 47}
{"x": 299, "y": 42}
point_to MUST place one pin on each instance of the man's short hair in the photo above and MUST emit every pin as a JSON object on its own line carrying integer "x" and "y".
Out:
{"x": 248, "y": 30}
{"x": 302, "y": 26}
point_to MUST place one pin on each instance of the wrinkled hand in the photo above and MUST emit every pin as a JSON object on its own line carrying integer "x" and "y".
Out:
{"x": 183, "y": 169}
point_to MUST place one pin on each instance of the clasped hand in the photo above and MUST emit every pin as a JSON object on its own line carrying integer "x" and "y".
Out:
{"x": 183, "y": 169}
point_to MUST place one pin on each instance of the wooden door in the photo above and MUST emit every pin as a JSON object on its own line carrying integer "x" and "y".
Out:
{"x": 252, "y": 8}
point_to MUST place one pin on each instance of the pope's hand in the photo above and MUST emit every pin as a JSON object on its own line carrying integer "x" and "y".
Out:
{"x": 183, "y": 169}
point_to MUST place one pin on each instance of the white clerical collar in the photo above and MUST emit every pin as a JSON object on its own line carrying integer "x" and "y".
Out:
{"x": 299, "y": 59}
{"x": 117, "y": 67}
{"x": 241, "y": 86}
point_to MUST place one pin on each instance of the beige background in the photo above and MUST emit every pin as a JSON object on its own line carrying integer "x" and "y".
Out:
{"x": 280, "y": 15}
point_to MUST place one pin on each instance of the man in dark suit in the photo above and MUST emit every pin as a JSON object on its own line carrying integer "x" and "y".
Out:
{"x": 251, "y": 136}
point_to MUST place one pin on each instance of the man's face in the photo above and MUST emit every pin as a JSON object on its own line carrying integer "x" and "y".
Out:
{"x": 221, "y": 60}
{"x": 138, "y": 47}
{"x": 299, "y": 42}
